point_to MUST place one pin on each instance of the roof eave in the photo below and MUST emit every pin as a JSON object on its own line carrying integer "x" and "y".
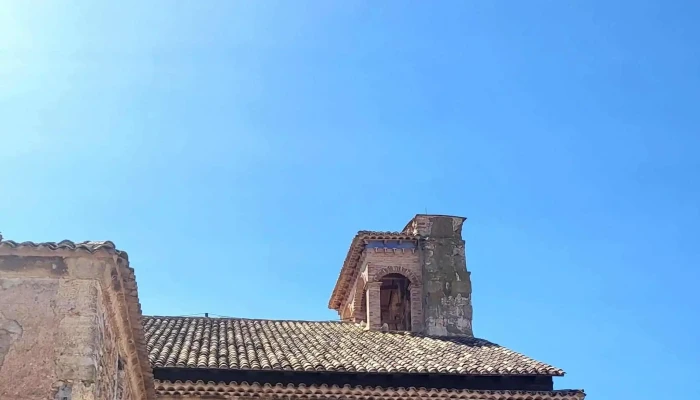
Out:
{"x": 334, "y": 302}
{"x": 235, "y": 389}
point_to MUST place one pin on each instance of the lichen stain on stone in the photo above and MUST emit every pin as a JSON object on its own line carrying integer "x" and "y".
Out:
{"x": 10, "y": 332}
{"x": 64, "y": 392}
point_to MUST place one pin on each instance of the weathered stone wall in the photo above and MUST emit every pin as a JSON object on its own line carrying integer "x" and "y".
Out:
{"x": 447, "y": 286}
{"x": 60, "y": 335}
{"x": 110, "y": 368}
{"x": 54, "y": 343}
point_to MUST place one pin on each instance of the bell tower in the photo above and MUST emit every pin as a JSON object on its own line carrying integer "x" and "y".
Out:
{"x": 414, "y": 280}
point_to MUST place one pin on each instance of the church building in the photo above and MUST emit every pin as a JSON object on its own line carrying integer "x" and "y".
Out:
{"x": 71, "y": 328}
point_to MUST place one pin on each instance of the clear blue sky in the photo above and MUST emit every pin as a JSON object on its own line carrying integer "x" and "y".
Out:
{"x": 234, "y": 148}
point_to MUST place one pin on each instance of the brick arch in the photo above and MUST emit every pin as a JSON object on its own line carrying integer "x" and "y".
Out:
{"x": 410, "y": 275}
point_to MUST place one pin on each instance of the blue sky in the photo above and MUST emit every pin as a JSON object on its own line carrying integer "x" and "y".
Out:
{"x": 235, "y": 148}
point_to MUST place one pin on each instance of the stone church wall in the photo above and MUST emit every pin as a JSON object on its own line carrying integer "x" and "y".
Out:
{"x": 111, "y": 372}
{"x": 59, "y": 339}
{"x": 51, "y": 344}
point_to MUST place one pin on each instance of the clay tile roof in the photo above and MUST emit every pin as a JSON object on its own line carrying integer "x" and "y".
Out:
{"x": 247, "y": 344}
{"x": 247, "y": 390}
{"x": 349, "y": 269}
{"x": 89, "y": 246}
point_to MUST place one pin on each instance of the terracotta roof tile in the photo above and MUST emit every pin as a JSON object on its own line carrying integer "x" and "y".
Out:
{"x": 248, "y": 344}
{"x": 88, "y": 246}
{"x": 255, "y": 390}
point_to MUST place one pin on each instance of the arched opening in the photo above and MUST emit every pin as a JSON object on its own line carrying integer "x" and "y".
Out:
{"x": 395, "y": 302}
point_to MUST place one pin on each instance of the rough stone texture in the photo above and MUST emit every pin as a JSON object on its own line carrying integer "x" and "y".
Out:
{"x": 417, "y": 305}
{"x": 110, "y": 377}
{"x": 446, "y": 282}
{"x": 60, "y": 336}
{"x": 53, "y": 266}
{"x": 128, "y": 393}
{"x": 57, "y": 336}
{"x": 10, "y": 331}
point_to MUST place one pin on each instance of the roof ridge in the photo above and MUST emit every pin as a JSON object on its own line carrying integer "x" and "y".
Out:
{"x": 340, "y": 322}
{"x": 90, "y": 246}
{"x": 245, "y": 319}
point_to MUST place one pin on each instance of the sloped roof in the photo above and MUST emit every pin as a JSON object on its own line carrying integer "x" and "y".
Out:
{"x": 248, "y": 344}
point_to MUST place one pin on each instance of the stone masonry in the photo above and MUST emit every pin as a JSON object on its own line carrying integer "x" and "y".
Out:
{"x": 447, "y": 285}
{"x": 64, "y": 329}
